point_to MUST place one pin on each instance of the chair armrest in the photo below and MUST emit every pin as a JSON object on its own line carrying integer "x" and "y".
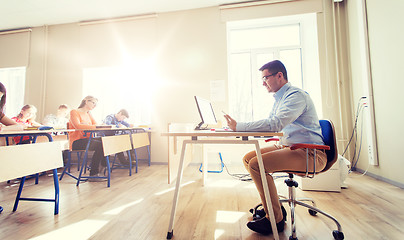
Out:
{"x": 272, "y": 139}
{"x": 311, "y": 146}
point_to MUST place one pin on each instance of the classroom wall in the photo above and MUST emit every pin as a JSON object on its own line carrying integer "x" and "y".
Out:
{"x": 190, "y": 48}
{"x": 190, "y": 51}
{"x": 385, "y": 39}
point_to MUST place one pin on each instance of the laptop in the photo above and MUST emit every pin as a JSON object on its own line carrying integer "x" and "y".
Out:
{"x": 207, "y": 115}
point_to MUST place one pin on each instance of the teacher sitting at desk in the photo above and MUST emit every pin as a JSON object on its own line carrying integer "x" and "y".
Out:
{"x": 293, "y": 114}
{"x": 82, "y": 119}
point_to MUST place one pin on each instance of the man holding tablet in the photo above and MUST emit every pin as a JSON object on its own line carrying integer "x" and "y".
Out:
{"x": 294, "y": 115}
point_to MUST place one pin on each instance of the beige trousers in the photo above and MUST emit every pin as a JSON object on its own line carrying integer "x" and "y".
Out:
{"x": 280, "y": 159}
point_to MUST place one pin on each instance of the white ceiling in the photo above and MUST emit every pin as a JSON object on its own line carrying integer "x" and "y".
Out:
{"x": 32, "y": 13}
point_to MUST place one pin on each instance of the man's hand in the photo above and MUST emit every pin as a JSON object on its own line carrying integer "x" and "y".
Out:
{"x": 230, "y": 122}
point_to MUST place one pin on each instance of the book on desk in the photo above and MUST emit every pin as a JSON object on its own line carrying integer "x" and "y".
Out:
{"x": 103, "y": 126}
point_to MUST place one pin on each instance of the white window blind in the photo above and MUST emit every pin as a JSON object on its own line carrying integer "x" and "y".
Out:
{"x": 256, "y": 42}
{"x": 14, "y": 48}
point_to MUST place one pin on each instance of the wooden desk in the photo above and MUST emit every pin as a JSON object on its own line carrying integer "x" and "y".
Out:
{"x": 212, "y": 137}
{"x": 103, "y": 132}
{"x": 22, "y": 155}
{"x": 35, "y": 133}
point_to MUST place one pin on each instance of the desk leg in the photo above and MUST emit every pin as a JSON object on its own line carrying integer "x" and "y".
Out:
{"x": 148, "y": 154}
{"x": 56, "y": 183}
{"x": 130, "y": 163}
{"x": 266, "y": 191}
{"x": 84, "y": 164}
{"x": 137, "y": 160}
{"x": 109, "y": 171}
{"x": 177, "y": 190}
{"x": 17, "y": 199}
{"x": 204, "y": 166}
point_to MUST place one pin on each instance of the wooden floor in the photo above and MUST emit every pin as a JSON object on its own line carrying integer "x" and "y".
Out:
{"x": 138, "y": 207}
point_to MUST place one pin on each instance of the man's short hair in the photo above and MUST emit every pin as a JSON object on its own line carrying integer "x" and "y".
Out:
{"x": 274, "y": 67}
{"x": 65, "y": 106}
{"x": 124, "y": 112}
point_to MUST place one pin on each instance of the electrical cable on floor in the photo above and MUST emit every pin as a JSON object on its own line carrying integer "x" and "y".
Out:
{"x": 238, "y": 176}
{"x": 355, "y": 158}
{"x": 359, "y": 152}
{"x": 247, "y": 176}
{"x": 356, "y": 121}
{"x": 360, "y": 145}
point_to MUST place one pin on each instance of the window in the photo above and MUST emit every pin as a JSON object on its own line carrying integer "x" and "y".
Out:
{"x": 120, "y": 87}
{"x": 14, "y": 81}
{"x": 253, "y": 43}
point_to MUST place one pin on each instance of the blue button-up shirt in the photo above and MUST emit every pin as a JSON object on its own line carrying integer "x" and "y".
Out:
{"x": 293, "y": 114}
{"x": 111, "y": 120}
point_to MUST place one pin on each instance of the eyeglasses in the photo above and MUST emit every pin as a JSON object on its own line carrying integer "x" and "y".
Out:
{"x": 95, "y": 103}
{"x": 264, "y": 78}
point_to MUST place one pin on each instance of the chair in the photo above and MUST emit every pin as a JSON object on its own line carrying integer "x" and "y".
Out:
{"x": 70, "y": 162}
{"x": 330, "y": 147}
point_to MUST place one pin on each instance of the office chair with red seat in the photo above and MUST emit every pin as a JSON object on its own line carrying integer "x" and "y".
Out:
{"x": 330, "y": 147}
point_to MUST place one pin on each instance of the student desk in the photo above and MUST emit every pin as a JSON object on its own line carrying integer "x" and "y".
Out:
{"x": 34, "y": 168}
{"x": 34, "y": 133}
{"x": 226, "y": 137}
{"x": 100, "y": 131}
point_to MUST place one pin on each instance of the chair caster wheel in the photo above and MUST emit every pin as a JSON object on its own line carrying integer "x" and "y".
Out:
{"x": 337, "y": 235}
{"x": 312, "y": 212}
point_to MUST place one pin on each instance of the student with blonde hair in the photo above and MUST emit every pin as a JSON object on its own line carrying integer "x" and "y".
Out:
{"x": 26, "y": 118}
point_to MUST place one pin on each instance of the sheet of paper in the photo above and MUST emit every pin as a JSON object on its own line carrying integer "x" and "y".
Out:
{"x": 217, "y": 91}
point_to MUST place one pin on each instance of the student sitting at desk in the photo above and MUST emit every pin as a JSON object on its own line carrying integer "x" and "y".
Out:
{"x": 26, "y": 118}
{"x": 82, "y": 119}
{"x": 294, "y": 114}
{"x": 118, "y": 120}
{"x": 60, "y": 120}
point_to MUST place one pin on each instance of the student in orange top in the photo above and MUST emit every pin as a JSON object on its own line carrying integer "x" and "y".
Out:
{"x": 81, "y": 118}
{"x": 26, "y": 118}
